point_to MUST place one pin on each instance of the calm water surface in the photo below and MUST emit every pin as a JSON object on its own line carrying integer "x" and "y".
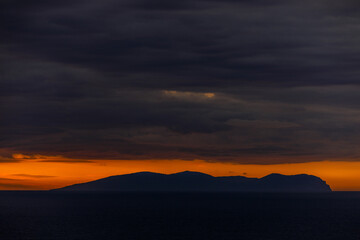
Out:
{"x": 263, "y": 216}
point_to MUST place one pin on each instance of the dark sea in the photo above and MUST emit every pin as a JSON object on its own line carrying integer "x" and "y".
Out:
{"x": 156, "y": 216}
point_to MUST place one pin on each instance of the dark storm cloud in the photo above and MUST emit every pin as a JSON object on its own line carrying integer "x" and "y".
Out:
{"x": 247, "y": 81}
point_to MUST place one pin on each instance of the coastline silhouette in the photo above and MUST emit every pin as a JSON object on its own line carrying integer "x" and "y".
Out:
{"x": 197, "y": 181}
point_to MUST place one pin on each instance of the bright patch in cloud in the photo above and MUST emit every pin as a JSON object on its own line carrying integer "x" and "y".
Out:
{"x": 188, "y": 95}
{"x": 41, "y": 158}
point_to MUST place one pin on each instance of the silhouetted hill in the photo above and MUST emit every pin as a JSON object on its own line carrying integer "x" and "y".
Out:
{"x": 196, "y": 181}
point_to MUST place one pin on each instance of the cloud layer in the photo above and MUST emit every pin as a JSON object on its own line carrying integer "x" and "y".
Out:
{"x": 242, "y": 81}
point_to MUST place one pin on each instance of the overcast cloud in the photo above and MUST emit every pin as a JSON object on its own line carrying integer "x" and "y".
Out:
{"x": 241, "y": 81}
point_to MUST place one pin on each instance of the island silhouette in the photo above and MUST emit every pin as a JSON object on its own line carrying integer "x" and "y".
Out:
{"x": 201, "y": 182}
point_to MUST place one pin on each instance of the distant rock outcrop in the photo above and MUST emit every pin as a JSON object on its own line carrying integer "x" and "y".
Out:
{"x": 196, "y": 181}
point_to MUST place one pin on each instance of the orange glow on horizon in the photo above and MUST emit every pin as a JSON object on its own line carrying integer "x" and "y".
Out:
{"x": 40, "y": 172}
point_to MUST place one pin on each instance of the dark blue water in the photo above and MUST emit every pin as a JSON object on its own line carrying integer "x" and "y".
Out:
{"x": 54, "y": 215}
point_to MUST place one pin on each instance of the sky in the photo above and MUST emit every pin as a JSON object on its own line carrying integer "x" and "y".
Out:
{"x": 248, "y": 87}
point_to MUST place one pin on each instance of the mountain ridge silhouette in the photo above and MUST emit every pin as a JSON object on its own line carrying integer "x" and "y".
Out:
{"x": 198, "y": 181}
